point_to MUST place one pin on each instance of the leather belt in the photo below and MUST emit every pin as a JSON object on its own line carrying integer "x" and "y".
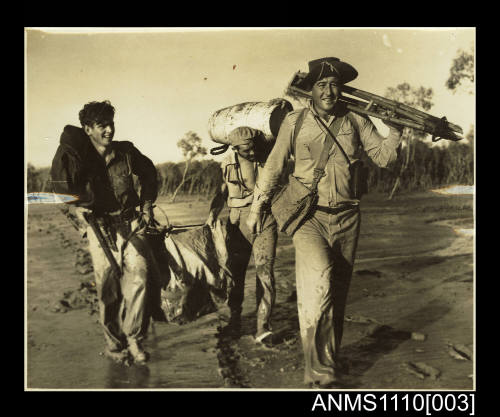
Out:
{"x": 334, "y": 210}
{"x": 118, "y": 216}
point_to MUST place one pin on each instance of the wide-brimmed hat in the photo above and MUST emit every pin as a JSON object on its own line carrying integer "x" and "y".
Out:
{"x": 328, "y": 67}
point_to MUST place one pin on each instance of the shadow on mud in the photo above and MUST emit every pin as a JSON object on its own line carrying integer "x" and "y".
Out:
{"x": 286, "y": 321}
{"x": 384, "y": 339}
{"x": 367, "y": 351}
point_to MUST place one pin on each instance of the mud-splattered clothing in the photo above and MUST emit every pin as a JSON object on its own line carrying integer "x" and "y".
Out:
{"x": 106, "y": 188}
{"x": 123, "y": 309}
{"x": 242, "y": 241}
{"x": 334, "y": 188}
{"x": 325, "y": 245}
{"x": 240, "y": 244}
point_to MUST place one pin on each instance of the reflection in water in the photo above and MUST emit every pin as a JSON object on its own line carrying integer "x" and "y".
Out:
{"x": 465, "y": 232}
{"x": 456, "y": 189}
{"x": 121, "y": 376}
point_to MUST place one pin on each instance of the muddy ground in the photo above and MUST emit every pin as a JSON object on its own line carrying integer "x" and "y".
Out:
{"x": 409, "y": 320}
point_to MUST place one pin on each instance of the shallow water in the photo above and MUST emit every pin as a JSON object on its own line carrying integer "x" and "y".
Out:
{"x": 420, "y": 279}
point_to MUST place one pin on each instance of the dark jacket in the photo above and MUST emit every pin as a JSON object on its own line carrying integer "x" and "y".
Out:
{"x": 78, "y": 169}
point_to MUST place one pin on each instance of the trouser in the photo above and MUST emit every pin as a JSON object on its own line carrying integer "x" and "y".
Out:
{"x": 325, "y": 247}
{"x": 240, "y": 244}
{"x": 123, "y": 309}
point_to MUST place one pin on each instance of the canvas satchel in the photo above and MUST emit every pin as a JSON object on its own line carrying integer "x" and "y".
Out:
{"x": 293, "y": 203}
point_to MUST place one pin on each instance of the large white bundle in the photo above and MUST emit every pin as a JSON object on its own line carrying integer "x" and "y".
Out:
{"x": 263, "y": 116}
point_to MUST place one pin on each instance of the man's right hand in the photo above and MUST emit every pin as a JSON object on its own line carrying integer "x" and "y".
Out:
{"x": 254, "y": 222}
{"x": 80, "y": 213}
{"x": 212, "y": 219}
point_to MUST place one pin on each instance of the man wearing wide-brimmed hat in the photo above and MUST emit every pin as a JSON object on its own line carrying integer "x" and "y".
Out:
{"x": 325, "y": 243}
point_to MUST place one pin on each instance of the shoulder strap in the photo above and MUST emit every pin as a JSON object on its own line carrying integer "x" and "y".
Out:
{"x": 298, "y": 125}
{"x": 336, "y": 128}
{"x": 351, "y": 118}
{"x": 319, "y": 170}
{"x": 328, "y": 143}
{"x": 239, "y": 174}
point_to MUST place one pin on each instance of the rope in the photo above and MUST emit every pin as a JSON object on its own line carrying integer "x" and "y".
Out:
{"x": 219, "y": 150}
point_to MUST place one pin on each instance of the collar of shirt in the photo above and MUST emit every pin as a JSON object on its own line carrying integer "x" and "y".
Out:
{"x": 110, "y": 156}
{"x": 107, "y": 157}
{"x": 330, "y": 118}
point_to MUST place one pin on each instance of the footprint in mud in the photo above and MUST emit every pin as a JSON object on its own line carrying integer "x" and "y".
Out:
{"x": 459, "y": 351}
{"x": 421, "y": 370}
{"x": 85, "y": 296}
{"x": 360, "y": 319}
{"x": 83, "y": 262}
{"x": 369, "y": 273}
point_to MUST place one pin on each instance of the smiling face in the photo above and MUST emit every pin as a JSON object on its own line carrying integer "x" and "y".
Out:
{"x": 101, "y": 133}
{"x": 325, "y": 94}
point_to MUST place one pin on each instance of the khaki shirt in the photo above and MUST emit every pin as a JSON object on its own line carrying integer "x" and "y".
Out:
{"x": 239, "y": 195}
{"x": 333, "y": 188}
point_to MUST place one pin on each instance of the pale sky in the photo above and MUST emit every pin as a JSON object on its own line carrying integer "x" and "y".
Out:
{"x": 165, "y": 82}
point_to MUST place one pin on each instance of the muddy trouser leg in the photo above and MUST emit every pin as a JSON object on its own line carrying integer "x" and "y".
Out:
{"x": 138, "y": 267}
{"x": 240, "y": 250}
{"x": 325, "y": 248}
{"x": 109, "y": 294}
{"x": 158, "y": 278}
{"x": 264, "y": 253}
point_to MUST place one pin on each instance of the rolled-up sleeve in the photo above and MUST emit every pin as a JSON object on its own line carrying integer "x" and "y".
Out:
{"x": 270, "y": 175}
{"x": 382, "y": 151}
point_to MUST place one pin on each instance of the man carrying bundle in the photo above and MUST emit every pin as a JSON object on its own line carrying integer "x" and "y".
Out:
{"x": 326, "y": 142}
{"x": 240, "y": 170}
{"x": 99, "y": 171}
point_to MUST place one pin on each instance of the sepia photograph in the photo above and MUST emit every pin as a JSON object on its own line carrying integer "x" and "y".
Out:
{"x": 250, "y": 208}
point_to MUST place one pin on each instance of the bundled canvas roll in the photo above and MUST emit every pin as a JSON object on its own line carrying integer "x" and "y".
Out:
{"x": 263, "y": 116}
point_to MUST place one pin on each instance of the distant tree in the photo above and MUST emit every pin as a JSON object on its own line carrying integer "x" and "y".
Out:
{"x": 191, "y": 148}
{"x": 33, "y": 179}
{"x": 462, "y": 72}
{"x": 419, "y": 98}
{"x": 170, "y": 176}
{"x": 470, "y": 138}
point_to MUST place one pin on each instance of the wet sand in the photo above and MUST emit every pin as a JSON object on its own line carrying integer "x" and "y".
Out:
{"x": 410, "y": 302}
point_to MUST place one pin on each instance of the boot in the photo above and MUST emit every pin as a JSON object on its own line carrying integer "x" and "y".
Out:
{"x": 117, "y": 355}
{"x": 137, "y": 352}
{"x": 265, "y": 337}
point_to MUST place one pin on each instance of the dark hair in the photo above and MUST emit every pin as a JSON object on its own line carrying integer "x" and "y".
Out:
{"x": 96, "y": 112}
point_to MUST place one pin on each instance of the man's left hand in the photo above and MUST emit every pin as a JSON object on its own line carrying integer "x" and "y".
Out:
{"x": 254, "y": 222}
{"x": 147, "y": 214}
{"x": 148, "y": 217}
